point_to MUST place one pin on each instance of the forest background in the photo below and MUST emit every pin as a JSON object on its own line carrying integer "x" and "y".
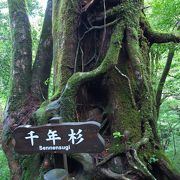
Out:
{"x": 164, "y": 15}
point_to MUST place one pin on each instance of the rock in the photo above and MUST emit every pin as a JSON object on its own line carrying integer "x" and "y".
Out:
{"x": 56, "y": 174}
{"x": 85, "y": 159}
{"x": 55, "y": 119}
{"x": 116, "y": 165}
{"x": 53, "y": 108}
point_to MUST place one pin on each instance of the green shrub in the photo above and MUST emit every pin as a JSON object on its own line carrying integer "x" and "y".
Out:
{"x": 4, "y": 170}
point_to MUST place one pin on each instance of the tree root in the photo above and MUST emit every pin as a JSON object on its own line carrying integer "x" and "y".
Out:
{"x": 106, "y": 159}
{"x": 137, "y": 164}
{"x": 165, "y": 170}
{"x": 110, "y": 174}
{"x": 67, "y": 99}
{"x": 144, "y": 140}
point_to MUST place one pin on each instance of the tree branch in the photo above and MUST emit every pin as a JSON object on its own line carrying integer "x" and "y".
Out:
{"x": 163, "y": 78}
{"x": 157, "y": 37}
{"x": 44, "y": 56}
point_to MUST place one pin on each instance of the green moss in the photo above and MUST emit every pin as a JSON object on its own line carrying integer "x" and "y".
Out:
{"x": 40, "y": 115}
{"x": 65, "y": 25}
{"x": 126, "y": 116}
{"x": 117, "y": 148}
{"x": 55, "y": 95}
{"x": 149, "y": 156}
{"x": 4, "y": 170}
{"x": 67, "y": 99}
{"x": 31, "y": 165}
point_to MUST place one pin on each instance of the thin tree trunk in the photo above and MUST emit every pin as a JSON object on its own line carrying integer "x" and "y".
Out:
{"x": 22, "y": 52}
{"x": 163, "y": 78}
{"x": 23, "y": 99}
{"x": 21, "y": 78}
{"x": 42, "y": 65}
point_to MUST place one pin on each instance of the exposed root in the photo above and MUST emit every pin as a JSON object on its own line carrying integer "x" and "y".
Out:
{"x": 106, "y": 159}
{"x": 146, "y": 136}
{"x": 87, "y": 6}
{"x": 111, "y": 174}
{"x": 137, "y": 164}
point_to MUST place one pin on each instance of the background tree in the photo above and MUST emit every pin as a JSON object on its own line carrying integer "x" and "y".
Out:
{"x": 35, "y": 12}
{"x": 166, "y": 55}
{"x": 5, "y": 52}
{"x": 101, "y": 71}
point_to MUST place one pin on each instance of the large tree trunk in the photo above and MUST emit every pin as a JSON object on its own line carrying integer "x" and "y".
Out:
{"x": 24, "y": 100}
{"x": 101, "y": 72}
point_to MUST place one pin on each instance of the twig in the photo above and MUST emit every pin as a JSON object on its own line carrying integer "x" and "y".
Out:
{"x": 86, "y": 7}
{"x": 104, "y": 33}
{"x": 129, "y": 83}
{"x": 110, "y": 13}
{"x": 92, "y": 58}
{"x": 82, "y": 59}
{"x": 174, "y": 141}
{"x": 174, "y": 144}
{"x": 40, "y": 89}
{"x": 85, "y": 24}
{"x": 146, "y": 7}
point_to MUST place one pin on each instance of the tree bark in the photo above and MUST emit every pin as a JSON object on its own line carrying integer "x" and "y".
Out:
{"x": 21, "y": 77}
{"x": 42, "y": 65}
{"x": 163, "y": 78}
{"x": 23, "y": 101}
{"x": 22, "y": 52}
{"x": 101, "y": 72}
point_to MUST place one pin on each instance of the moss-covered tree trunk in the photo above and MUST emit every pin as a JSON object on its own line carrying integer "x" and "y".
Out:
{"x": 23, "y": 99}
{"x": 102, "y": 72}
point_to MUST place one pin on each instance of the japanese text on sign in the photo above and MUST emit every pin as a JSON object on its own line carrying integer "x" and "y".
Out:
{"x": 72, "y": 137}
